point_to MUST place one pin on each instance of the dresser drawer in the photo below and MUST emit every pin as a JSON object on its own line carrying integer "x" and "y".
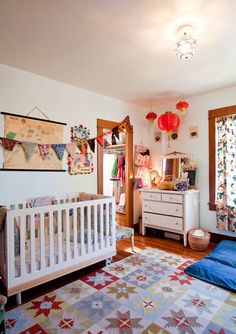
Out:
{"x": 152, "y": 196}
{"x": 172, "y": 198}
{"x": 170, "y": 209}
{"x": 164, "y": 222}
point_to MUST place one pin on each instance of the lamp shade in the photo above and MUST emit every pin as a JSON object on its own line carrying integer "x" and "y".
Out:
{"x": 181, "y": 106}
{"x": 168, "y": 121}
{"x": 151, "y": 116}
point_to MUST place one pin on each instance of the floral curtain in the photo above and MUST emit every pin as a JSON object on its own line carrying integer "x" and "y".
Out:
{"x": 226, "y": 172}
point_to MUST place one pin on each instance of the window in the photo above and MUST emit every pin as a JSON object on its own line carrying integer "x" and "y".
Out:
{"x": 222, "y": 166}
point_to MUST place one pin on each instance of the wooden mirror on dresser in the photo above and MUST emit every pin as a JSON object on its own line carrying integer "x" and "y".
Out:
{"x": 123, "y": 217}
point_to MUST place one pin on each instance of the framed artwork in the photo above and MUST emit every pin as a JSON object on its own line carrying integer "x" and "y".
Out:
{"x": 80, "y": 164}
{"x": 174, "y": 135}
{"x": 31, "y": 132}
{"x": 158, "y": 137}
{"x": 193, "y": 132}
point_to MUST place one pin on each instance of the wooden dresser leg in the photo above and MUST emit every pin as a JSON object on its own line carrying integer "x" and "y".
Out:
{"x": 185, "y": 240}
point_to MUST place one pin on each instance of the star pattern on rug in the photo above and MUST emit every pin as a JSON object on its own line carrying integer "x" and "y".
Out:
{"x": 155, "y": 329}
{"x": 140, "y": 278}
{"x": 72, "y": 292}
{"x": 135, "y": 260}
{"x": 167, "y": 289}
{"x": 171, "y": 260}
{"x": 181, "y": 277}
{"x": 157, "y": 269}
{"x": 199, "y": 304}
{"x": 97, "y": 305}
{"x": 45, "y": 306}
{"x": 119, "y": 269}
{"x": 212, "y": 331}
{"x": 99, "y": 279}
{"x": 10, "y": 323}
{"x": 184, "y": 324}
{"x": 185, "y": 264}
{"x": 36, "y": 329}
{"x": 124, "y": 323}
{"x": 121, "y": 290}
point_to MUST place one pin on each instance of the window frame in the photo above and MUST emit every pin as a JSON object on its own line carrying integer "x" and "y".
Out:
{"x": 212, "y": 115}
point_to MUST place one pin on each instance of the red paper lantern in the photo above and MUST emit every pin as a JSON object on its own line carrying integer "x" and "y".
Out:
{"x": 181, "y": 106}
{"x": 151, "y": 116}
{"x": 168, "y": 122}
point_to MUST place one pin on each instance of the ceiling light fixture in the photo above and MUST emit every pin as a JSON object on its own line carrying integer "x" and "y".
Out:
{"x": 186, "y": 44}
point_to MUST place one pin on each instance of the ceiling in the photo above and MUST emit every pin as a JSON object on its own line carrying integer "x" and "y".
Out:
{"x": 122, "y": 48}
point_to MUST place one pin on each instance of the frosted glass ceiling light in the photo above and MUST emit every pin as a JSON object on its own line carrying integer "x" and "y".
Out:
{"x": 186, "y": 44}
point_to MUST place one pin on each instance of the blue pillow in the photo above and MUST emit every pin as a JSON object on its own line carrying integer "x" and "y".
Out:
{"x": 218, "y": 267}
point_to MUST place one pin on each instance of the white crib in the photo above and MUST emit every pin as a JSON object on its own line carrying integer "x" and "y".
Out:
{"x": 42, "y": 243}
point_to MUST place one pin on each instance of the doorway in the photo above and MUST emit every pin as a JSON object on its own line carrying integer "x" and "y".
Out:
{"x": 120, "y": 184}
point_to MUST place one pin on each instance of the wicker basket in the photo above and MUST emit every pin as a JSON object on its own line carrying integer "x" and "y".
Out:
{"x": 199, "y": 243}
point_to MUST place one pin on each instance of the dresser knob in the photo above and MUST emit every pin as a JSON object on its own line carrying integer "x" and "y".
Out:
{"x": 171, "y": 197}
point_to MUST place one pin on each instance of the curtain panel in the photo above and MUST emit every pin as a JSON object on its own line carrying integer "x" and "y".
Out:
{"x": 226, "y": 172}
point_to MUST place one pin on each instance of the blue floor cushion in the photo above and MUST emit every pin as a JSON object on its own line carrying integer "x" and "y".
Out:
{"x": 218, "y": 267}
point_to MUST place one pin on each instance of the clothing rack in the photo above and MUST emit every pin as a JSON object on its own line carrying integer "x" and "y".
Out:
{"x": 114, "y": 149}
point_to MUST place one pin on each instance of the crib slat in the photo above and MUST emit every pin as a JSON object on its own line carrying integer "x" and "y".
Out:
{"x": 75, "y": 233}
{"x": 67, "y": 235}
{"x": 89, "y": 228}
{"x": 113, "y": 222}
{"x": 32, "y": 243}
{"x": 10, "y": 245}
{"x": 101, "y": 227}
{"x": 51, "y": 246}
{"x": 82, "y": 230}
{"x": 95, "y": 224}
{"x": 107, "y": 224}
{"x": 59, "y": 236}
{"x": 42, "y": 242}
{"x": 22, "y": 244}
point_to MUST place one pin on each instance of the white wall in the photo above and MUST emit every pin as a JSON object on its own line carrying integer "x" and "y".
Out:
{"x": 197, "y": 115}
{"x": 21, "y": 91}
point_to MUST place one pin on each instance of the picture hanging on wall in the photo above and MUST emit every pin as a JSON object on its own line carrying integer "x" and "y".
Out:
{"x": 80, "y": 164}
{"x": 193, "y": 131}
{"x": 175, "y": 134}
{"x": 79, "y": 133}
{"x": 32, "y": 144}
{"x": 158, "y": 137}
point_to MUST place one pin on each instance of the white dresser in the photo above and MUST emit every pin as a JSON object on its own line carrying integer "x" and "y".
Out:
{"x": 172, "y": 211}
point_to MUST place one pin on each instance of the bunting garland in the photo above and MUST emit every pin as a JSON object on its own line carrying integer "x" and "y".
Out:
{"x": 100, "y": 140}
{"x": 44, "y": 150}
{"x": 71, "y": 149}
{"x": 81, "y": 133}
{"x": 8, "y": 144}
{"x": 29, "y": 149}
{"x": 59, "y": 150}
{"x": 91, "y": 144}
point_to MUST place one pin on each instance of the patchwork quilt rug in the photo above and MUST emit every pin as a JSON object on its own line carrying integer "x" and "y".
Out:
{"x": 146, "y": 293}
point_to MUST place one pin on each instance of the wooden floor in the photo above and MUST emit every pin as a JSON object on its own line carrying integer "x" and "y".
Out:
{"x": 123, "y": 250}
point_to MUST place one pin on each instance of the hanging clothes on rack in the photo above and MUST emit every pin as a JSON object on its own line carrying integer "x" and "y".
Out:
{"x": 121, "y": 169}
{"x": 142, "y": 177}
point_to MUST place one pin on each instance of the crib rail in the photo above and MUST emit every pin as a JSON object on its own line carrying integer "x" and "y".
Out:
{"x": 48, "y": 239}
